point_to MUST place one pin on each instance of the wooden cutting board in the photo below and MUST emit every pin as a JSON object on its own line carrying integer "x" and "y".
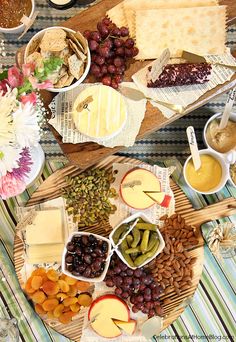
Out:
{"x": 51, "y": 188}
{"x": 89, "y": 153}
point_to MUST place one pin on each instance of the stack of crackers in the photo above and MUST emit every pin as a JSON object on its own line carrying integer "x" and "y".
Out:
{"x": 71, "y": 47}
{"x": 198, "y": 26}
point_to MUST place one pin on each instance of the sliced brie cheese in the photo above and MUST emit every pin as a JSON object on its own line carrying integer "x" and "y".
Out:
{"x": 46, "y": 228}
{"x": 99, "y": 112}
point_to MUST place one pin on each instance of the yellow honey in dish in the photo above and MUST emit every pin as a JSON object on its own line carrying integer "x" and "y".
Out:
{"x": 207, "y": 177}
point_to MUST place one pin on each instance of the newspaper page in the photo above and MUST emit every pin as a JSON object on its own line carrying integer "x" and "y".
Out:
{"x": 62, "y": 121}
{"x": 185, "y": 95}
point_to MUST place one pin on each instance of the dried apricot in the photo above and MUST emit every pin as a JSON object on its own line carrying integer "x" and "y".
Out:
{"x": 63, "y": 276}
{"x": 63, "y": 285}
{"x": 50, "y": 304}
{"x": 38, "y": 297}
{"x": 66, "y": 317}
{"x": 61, "y": 296}
{"x": 52, "y": 275}
{"x": 69, "y": 301}
{"x": 50, "y": 314}
{"x": 39, "y": 309}
{"x": 28, "y": 287}
{"x": 75, "y": 307}
{"x": 70, "y": 280}
{"x": 72, "y": 291}
{"x": 50, "y": 288}
{"x": 66, "y": 309}
{"x": 36, "y": 282}
{"x": 40, "y": 272}
{"x": 82, "y": 285}
{"x": 84, "y": 299}
{"x": 58, "y": 310}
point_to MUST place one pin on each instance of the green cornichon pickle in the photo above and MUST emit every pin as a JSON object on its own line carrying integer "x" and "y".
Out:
{"x": 142, "y": 258}
{"x": 129, "y": 239}
{"x": 132, "y": 250}
{"x": 117, "y": 234}
{"x": 145, "y": 240}
{"x": 152, "y": 241}
{"x": 136, "y": 235}
{"x": 146, "y": 226}
{"x": 134, "y": 256}
{"x": 123, "y": 247}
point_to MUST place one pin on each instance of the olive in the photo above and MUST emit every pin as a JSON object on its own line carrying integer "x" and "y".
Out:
{"x": 69, "y": 268}
{"x": 85, "y": 240}
{"x": 69, "y": 258}
{"x": 78, "y": 250}
{"x": 92, "y": 239}
{"x": 88, "y": 259}
{"x": 104, "y": 246}
{"x": 70, "y": 247}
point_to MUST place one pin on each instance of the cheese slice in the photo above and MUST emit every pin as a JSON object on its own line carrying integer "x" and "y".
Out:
{"x": 99, "y": 112}
{"x": 44, "y": 253}
{"x": 46, "y": 228}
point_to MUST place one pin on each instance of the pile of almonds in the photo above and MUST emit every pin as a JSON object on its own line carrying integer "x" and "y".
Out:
{"x": 173, "y": 267}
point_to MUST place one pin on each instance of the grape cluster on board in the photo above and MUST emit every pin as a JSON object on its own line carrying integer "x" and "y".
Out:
{"x": 136, "y": 285}
{"x": 110, "y": 48}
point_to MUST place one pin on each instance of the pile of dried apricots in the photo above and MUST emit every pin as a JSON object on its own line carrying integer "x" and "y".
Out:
{"x": 56, "y": 295}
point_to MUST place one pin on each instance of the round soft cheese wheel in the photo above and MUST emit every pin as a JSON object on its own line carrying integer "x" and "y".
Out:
{"x": 99, "y": 112}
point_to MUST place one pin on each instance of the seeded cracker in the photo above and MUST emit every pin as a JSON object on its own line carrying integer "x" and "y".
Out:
{"x": 69, "y": 81}
{"x": 76, "y": 41}
{"x": 78, "y": 53}
{"x": 75, "y": 66}
{"x": 53, "y": 40}
{"x": 62, "y": 81}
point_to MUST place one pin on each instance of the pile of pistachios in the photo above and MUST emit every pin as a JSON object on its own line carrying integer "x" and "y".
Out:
{"x": 88, "y": 197}
{"x": 140, "y": 244}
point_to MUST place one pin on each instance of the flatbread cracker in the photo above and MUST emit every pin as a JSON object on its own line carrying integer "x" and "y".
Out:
{"x": 78, "y": 53}
{"x": 53, "y": 40}
{"x": 61, "y": 82}
{"x": 75, "y": 66}
{"x": 200, "y": 30}
{"x": 34, "y": 46}
{"x": 69, "y": 80}
{"x": 72, "y": 37}
{"x": 130, "y": 6}
{"x": 116, "y": 14}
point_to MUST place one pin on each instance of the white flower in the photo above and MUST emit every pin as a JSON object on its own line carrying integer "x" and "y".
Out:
{"x": 9, "y": 157}
{"x": 25, "y": 125}
{"x": 8, "y": 104}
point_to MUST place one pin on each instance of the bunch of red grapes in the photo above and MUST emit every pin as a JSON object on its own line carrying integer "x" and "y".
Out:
{"x": 110, "y": 52}
{"x": 137, "y": 285}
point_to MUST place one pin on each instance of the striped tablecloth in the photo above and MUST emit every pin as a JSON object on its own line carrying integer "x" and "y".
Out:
{"x": 212, "y": 314}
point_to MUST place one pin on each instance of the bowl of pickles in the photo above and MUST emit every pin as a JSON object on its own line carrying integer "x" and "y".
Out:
{"x": 137, "y": 240}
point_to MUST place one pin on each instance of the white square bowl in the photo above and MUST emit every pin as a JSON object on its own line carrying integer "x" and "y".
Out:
{"x": 91, "y": 280}
{"x": 128, "y": 220}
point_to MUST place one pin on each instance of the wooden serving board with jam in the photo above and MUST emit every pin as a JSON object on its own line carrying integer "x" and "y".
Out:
{"x": 88, "y": 153}
{"x": 182, "y": 243}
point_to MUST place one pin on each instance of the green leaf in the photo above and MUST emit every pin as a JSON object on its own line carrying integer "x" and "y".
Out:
{"x": 50, "y": 65}
{"x": 3, "y": 75}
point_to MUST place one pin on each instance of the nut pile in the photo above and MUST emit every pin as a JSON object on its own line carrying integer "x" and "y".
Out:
{"x": 173, "y": 267}
{"x": 87, "y": 197}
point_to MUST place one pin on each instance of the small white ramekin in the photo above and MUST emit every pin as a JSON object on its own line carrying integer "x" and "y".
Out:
{"x": 225, "y": 171}
{"x": 20, "y": 28}
{"x": 38, "y": 36}
{"x": 128, "y": 220}
{"x": 91, "y": 280}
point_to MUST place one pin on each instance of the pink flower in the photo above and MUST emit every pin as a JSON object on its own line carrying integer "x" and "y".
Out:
{"x": 28, "y": 69}
{"x": 3, "y": 86}
{"x": 10, "y": 186}
{"x": 44, "y": 85}
{"x": 15, "y": 78}
{"x": 32, "y": 98}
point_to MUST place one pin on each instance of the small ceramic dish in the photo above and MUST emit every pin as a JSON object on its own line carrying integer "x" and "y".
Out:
{"x": 80, "y": 277}
{"x": 224, "y": 167}
{"x": 34, "y": 42}
{"x": 130, "y": 219}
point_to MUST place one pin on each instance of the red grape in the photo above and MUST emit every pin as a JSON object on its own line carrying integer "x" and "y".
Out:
{"x": 128, "y": 280}
{"x": 118, "y": 78}
{"x": 100, "y": 60}
{"x": 118, "y": 61}
{"x": 118, "y": 291}
{"x": 151, "y": 313}
{"x": 125, "y": 295}
{"x": 93, "y": 45}
{"x": 116, "y": 32}
{"x": 120, "y": 51}
{"x": 139, "y": 298}
{"x": 128, "y": 52}
{"x": 118, "y": 42}
{"x": 135, "y": 309}
{"x": 129, "y": 43}
{"x": 138, "y": 272}
{"x": 124, "y": 31}
{"x": 95, "y": 69}
{"x": 86, "y": 34}
{"x": 104, "y": 31}
{"x": 109, "y": 283}
{"x": 135, "y": 51}
{"x": 104, "y": 51}
{"x": 93, "y": 57}
{"x": 106, "y": 80}
{"x": 114, "y": 84}
{"x": 106, "y": 21}
{"x": 111, "y": 69}
{"x": 104, "y": 69}
{"x": 108, "y": 42}
{"x": 95, "y": 35}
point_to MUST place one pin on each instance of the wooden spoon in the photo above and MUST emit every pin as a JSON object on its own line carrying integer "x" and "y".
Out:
{"x": 193, "y": 147}
{"x": 228, "y": 108}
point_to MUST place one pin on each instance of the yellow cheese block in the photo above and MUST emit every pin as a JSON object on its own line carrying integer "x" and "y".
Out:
{"x": 99, "y": 112}
{"x": 46, "y": 228}
{"x": 44, "y": 253}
